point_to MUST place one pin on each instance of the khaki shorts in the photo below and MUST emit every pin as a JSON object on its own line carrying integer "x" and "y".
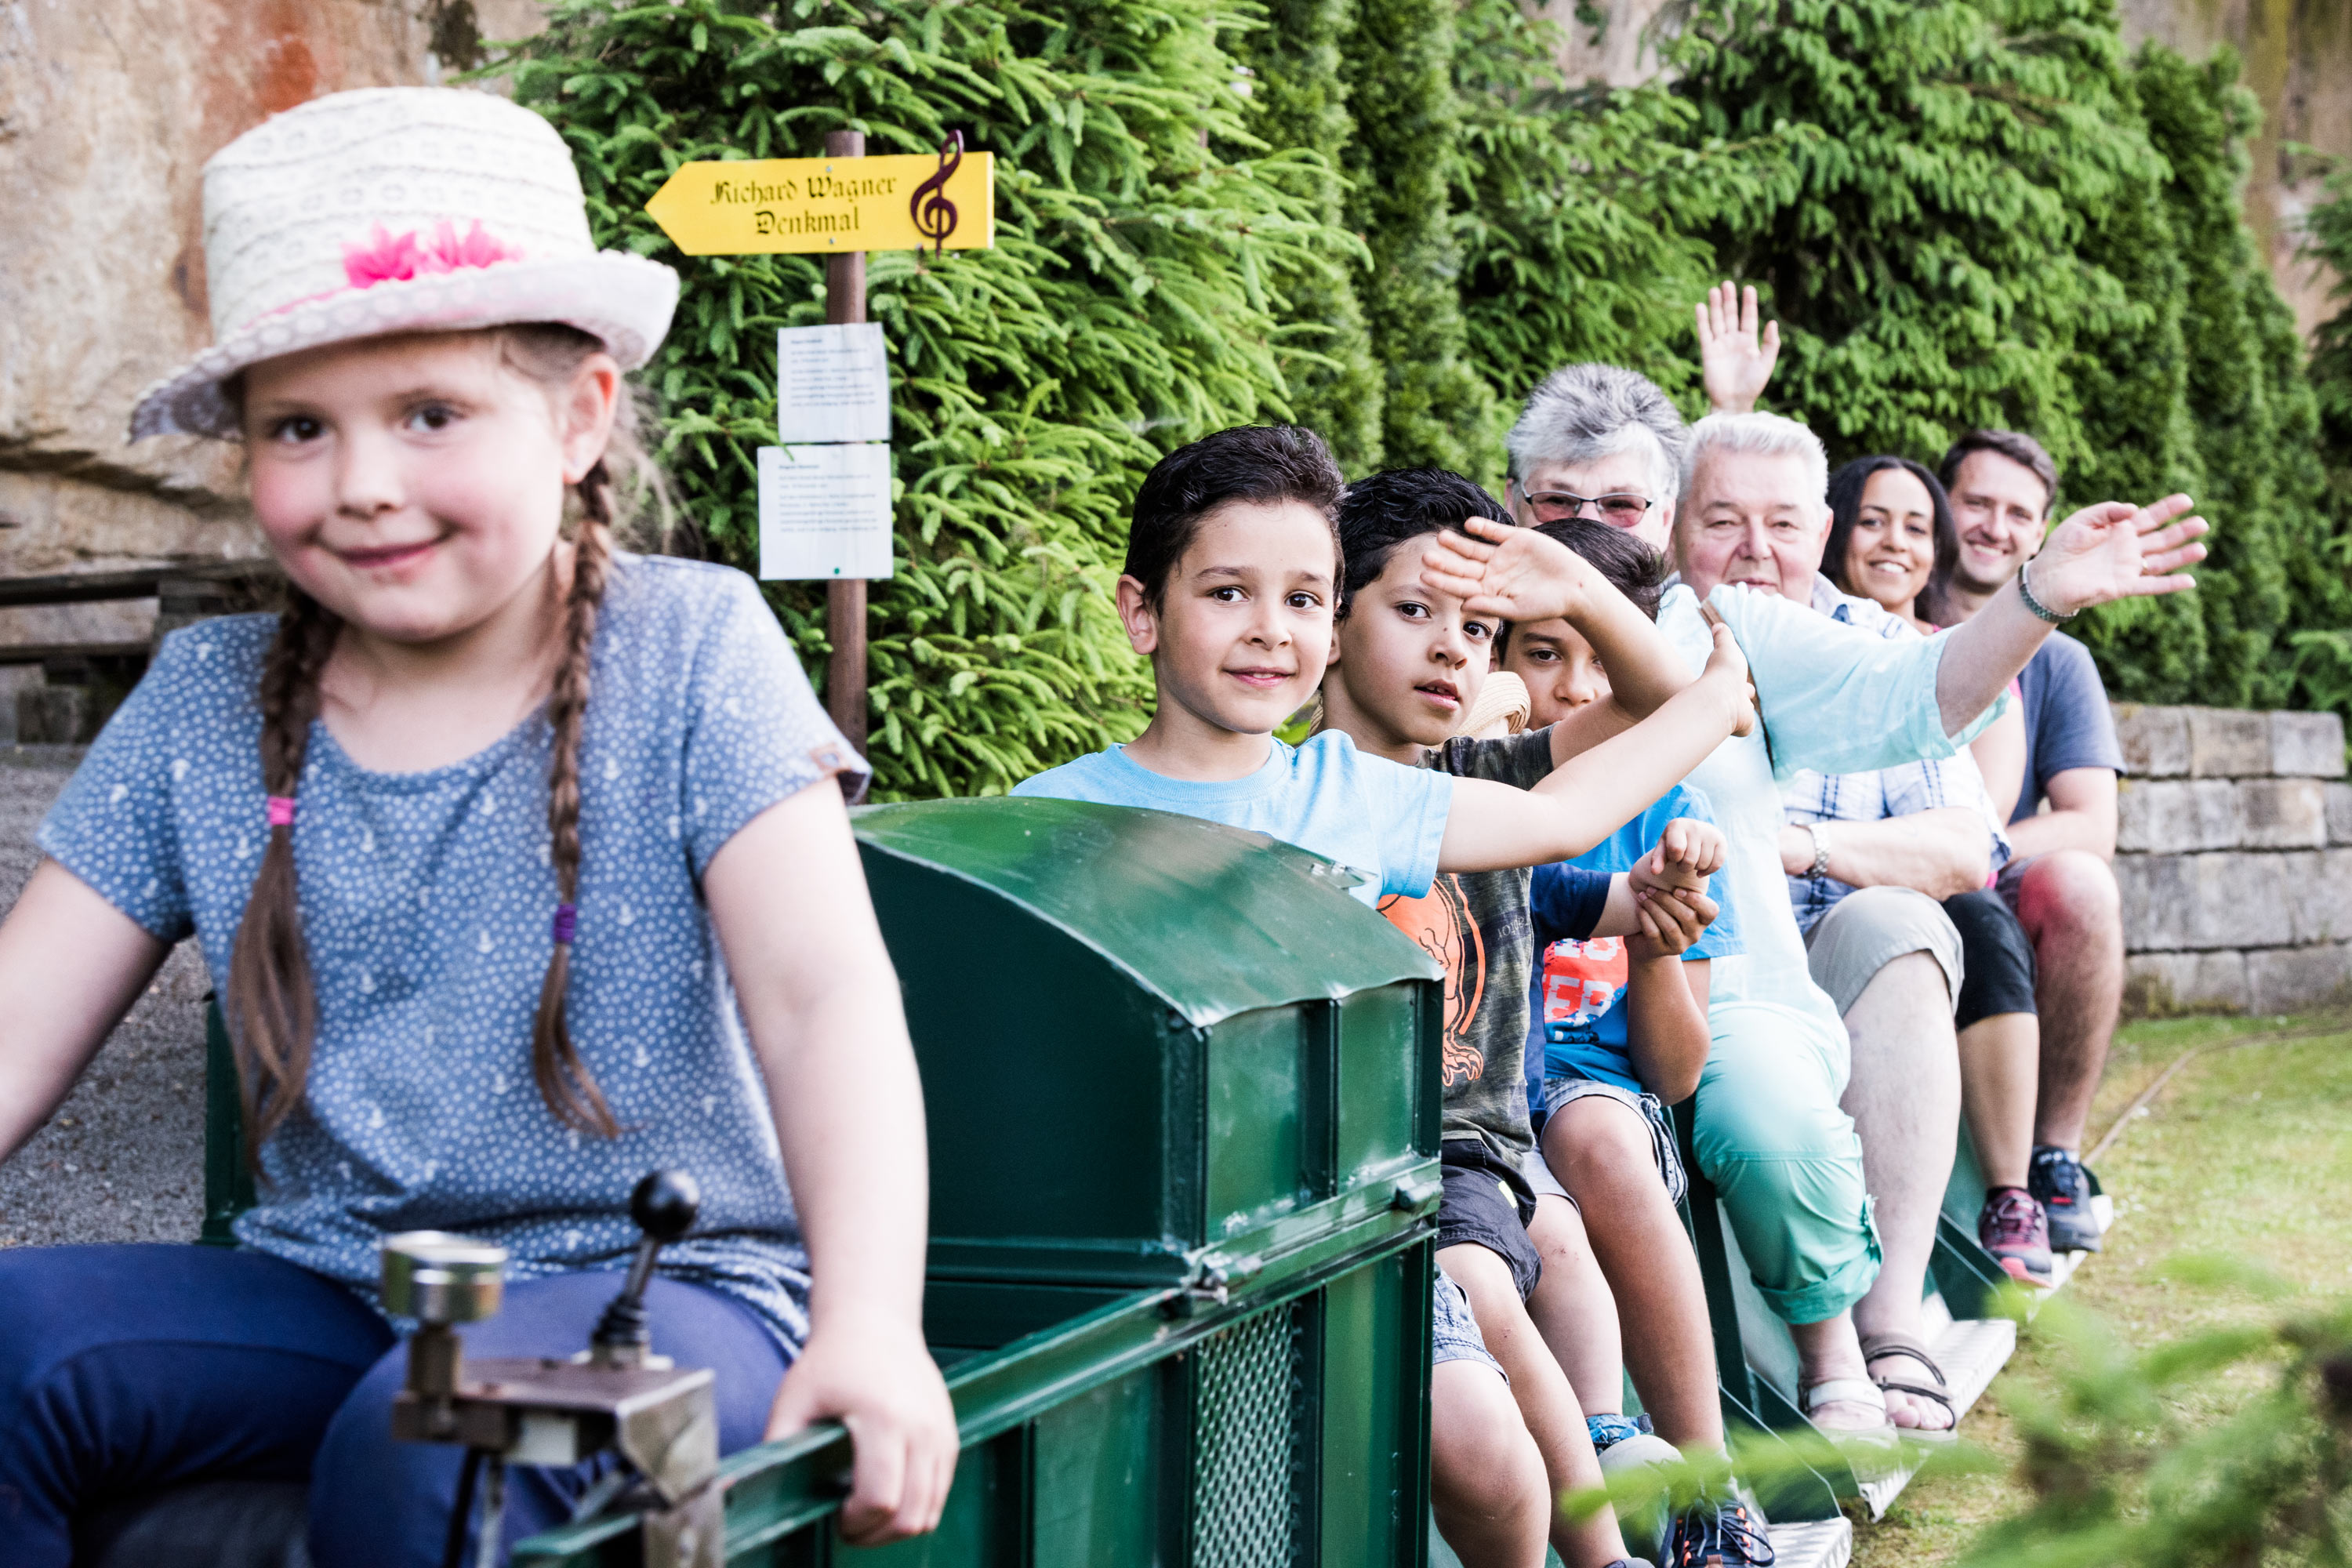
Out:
{"x": 1869, "y": 928}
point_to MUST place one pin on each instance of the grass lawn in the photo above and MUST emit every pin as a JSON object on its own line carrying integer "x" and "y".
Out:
{"x": 2246, "y": 1153}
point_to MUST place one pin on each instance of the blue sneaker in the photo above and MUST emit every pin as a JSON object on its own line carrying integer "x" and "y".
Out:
{"x": 1626, "y": 1446}
{"x": 2064, "y": 1187}
{"x": 1719, "y": 1533}
{"x": 1608, "y": 1431}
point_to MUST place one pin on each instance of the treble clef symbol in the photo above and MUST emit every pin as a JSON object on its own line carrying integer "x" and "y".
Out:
{"x": 934, "y": 214}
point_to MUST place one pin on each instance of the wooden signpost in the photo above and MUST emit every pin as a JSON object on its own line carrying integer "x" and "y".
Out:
{"x": 842, "y": 205}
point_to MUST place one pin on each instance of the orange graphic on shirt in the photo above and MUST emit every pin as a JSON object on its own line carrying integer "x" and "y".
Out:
{"x": 1439, "y": 921}
{"x": 1581, "y": 980}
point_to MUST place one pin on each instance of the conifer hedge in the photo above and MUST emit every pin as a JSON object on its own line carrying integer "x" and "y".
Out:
{"x": 1130, "y": 304}
{"x": 1387, "y": 218}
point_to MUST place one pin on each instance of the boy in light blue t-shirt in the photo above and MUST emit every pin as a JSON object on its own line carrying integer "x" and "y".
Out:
{"x": 1232, "y": 579}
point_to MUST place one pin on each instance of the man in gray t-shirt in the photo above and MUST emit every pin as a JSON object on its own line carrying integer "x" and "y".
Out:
{"x": 2068, "y": 725}
{"x": 2060, "y": 880}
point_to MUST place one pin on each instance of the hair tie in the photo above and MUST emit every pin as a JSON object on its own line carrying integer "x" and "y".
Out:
{"x": 567, "y": 921}
{"x": 282, "y": 811}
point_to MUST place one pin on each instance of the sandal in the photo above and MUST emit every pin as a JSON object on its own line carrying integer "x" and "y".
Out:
{"x": 1877, "y": 1348}
{"x": 1811, "y": 1396}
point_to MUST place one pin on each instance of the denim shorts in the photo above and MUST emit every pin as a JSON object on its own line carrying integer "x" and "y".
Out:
{"x": 1560, "y": 1092}
{"x": 1454, "y": 1332}
{"x": 1487, "y": 1204}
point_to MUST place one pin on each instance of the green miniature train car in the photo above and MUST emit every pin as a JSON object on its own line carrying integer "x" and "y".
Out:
{"x": 1182, "y": 1099}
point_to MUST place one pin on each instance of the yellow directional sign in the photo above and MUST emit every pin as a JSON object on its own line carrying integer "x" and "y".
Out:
{"x": 896, "y": 202}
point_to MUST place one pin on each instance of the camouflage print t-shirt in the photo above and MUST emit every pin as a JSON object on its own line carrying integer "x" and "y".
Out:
{"x": 1475, "y": 924}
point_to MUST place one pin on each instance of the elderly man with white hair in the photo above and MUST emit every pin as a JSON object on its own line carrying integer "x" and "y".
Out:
{"x": 1773, "y": 1132}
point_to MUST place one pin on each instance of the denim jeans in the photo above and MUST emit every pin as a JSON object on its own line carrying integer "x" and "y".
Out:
{"x": 124, "y": 1370}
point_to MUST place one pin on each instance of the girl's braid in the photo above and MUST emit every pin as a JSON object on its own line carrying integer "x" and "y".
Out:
{"x": 272, "y": 1009}
{"x": 564, "y": 1080}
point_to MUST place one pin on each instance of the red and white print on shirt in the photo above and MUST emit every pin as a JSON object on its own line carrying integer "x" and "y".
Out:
{"x": 1583, "y": 980}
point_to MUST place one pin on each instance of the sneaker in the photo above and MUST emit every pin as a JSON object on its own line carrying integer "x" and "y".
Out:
{"x": 1718, "y": 1533}
{"x": 1607, "y": 1431}
{"x": 1626, "y": 1446}
{"x": 2012, "y": 1226}
{"x": 1622, "y": 1442}
{"x": 2064, "y": 1186}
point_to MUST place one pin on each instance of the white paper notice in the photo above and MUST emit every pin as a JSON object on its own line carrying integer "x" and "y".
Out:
{"x": 825, "y": 511}
{"x": 833, "y": 384}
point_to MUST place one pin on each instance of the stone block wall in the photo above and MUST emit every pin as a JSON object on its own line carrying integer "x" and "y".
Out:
{"x": 2234, "y": 857}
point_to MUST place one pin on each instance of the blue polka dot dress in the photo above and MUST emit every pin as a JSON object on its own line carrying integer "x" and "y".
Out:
{"x": 427, "y": 901}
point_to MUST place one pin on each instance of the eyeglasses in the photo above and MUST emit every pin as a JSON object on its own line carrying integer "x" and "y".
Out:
{"x": 1619, "y": 511}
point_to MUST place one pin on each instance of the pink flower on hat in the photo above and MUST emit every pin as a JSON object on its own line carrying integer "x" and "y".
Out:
{"x": 387, "y": 260}
{"x": 448, "y": 253}
{"x": 396, "y": 259}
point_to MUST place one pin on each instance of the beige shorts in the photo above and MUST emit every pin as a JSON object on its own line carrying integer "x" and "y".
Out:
{"x": 1869, "y": 928}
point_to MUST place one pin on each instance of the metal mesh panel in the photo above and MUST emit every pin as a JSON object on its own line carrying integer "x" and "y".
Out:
{"x": 1243, "y": 1438}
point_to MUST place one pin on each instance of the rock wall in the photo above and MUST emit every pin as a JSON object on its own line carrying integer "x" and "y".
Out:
{"x": 2234, "y": 854}
{"x": 107, "y": 113}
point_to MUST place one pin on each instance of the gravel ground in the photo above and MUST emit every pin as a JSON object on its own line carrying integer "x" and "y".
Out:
{"x": 122, "y": 1160}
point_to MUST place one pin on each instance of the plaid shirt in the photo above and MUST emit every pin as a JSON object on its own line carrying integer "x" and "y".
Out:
{"x": 1890, "y": 792}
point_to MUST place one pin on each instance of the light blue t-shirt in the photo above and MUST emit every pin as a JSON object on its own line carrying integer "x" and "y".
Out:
{"x": 1576, "y": 1000}
{"x": 1379, "y": 818}
{"x": 426, "y": 904}
{"x": 1833, "y": 698}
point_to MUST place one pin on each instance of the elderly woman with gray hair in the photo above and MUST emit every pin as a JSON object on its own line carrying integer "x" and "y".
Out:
{"x": 1772, "y": 1126}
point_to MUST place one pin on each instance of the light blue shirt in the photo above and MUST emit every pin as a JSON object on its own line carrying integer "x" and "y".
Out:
{"x": 1833, "y": 698}
{"x": 426, "y": 903}
{"x": 1382, "y": 819}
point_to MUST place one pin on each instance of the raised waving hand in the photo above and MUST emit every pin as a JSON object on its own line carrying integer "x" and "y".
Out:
{"x": 1734, "y": 359}
{"x": 2116, "y": 551}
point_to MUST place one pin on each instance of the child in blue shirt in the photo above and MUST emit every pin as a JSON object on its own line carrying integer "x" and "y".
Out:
{"x": 1585, "y": 999}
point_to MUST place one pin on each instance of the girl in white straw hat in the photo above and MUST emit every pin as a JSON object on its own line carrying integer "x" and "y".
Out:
{"x": 520, "y": 867}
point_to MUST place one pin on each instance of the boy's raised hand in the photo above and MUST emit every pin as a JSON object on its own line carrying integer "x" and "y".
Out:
{"x": 1517, "y": 573}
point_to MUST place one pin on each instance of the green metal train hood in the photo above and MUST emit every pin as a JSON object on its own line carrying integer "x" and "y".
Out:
{"x": 1210, "y": 919}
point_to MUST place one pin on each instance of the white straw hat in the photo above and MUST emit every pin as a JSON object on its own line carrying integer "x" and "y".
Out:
{"x": 398, "y": 209}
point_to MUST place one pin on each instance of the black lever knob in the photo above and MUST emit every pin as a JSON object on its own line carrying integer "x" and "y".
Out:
{"x": 664, "y": 1205}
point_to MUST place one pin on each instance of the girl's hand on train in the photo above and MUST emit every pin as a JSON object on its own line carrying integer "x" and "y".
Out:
{"x": 878, "y": 1380}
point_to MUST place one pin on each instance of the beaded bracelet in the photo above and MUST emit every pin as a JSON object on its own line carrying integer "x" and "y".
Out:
{"x": 2025, "y": 592}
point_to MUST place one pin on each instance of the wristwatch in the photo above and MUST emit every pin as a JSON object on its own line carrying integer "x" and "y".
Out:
{"x": 1820, "y": 833}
